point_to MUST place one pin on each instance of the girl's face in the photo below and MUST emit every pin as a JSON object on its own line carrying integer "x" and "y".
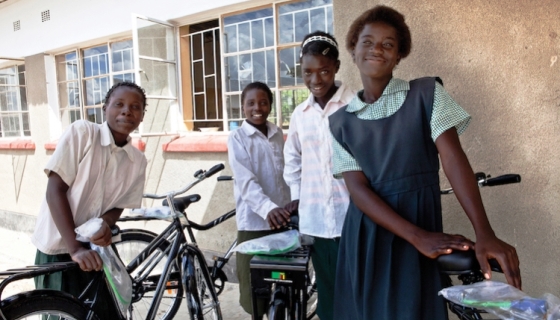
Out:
{"x": 124, "y": 111}
{"x": 318, "y": 73}
{"x": 377, "y": 51}
{"x": 256, "y": 106}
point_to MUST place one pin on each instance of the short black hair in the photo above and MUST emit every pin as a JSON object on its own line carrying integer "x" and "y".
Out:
{"x": 130, "y": 85}
{"x": 256, "y": 85}
{"x": 320, "y": 47}
{"x": 385, "y": 15}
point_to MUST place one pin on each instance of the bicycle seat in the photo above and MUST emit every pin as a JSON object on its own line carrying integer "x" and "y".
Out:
{"x": 182, "y": 203}
{"x": 462, "y": 262}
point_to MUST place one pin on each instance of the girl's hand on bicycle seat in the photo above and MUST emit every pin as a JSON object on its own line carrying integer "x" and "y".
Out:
{"x": 434, "y": 244}
{"x": 88, "y": 260}
{"x": 278, "y": 218}
{"x": 490, "y": 247}
{"x": 103, "y": 236}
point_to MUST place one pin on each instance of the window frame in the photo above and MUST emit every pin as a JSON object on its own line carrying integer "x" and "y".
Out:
{"x": 20, "y": 103}
{"x": 81, "y": 79}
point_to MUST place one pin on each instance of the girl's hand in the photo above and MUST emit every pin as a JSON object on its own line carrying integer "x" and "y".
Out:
{"x": 88, "y": 260}
{"x": 292, "y": 206}
{"x": 434, "y": 244}
{"x": 103, "y": 237}
{"x": 277, "y": 218}
{"x": 491, "y": 247}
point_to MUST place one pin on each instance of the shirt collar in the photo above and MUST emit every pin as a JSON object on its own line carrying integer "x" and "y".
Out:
{"x": 335, "y": 98}
{"x": 395, "y": 85}
{"x": 108, "y": 140}
{"x": 250, "y": 129}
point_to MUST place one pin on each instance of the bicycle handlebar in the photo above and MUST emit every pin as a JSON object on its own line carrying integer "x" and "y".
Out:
{"x": 199, "y": 176}
{"x": 486, "y": 181}
{"x": 503, "y": 179}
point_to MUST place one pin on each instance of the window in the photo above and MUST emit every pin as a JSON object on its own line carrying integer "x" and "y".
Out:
{"x": 14, "y": 114}
{"x": 256, "y": 45}
{"x": 253, "y": 53}
{"x": 85, "y": 76}
{"x": 205, "y": 69}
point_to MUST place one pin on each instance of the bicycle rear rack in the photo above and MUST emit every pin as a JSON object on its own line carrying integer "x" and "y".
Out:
{"x": 12, "y": 275}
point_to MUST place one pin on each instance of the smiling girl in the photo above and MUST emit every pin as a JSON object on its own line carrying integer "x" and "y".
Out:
{"x": 255, "y": 153}
{"x": 386, "y": 147}
{"x": 323, "y": 200}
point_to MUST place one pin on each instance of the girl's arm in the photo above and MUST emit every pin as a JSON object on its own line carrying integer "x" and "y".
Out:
{"x": 430, "y": 244}
{"x": 460, "y": 174}
{"x": 62, "y": 216}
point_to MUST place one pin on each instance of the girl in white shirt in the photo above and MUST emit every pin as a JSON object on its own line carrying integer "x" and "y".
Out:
{"x": 323, "y": 200}
{"x": 255, "y": 153}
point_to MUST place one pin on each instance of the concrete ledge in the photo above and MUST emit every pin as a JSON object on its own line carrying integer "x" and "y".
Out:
{"x": 17, "y": 144}
{"x": 17, "y": 221}
{"x": 198, "y": 143}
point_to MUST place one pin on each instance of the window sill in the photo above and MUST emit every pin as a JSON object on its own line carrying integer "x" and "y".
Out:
{"x": 17, "y": 144}
{"x": 198, "y": 143}
{"x": 136, "y": 142}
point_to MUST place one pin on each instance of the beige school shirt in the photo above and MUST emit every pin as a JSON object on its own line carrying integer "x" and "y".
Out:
{"x": 100, "y": 176}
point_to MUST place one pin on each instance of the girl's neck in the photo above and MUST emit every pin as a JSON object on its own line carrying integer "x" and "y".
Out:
{"x": 322, "y": 101}
{"x": 373, "y": 88}
{"x": 261, "y": 127}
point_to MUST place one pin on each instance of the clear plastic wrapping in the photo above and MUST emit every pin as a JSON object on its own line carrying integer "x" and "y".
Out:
{"x": 115, "y": 271}
{"x": 504, "y": 301}
{"x": 277, "y": 243}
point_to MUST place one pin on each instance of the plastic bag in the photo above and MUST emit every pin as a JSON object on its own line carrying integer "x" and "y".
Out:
{"x": 162, "y": 212}
{"x": 277, "y": 243}
{"x": 504, "y": 301}
{"x": 115, "y": 271}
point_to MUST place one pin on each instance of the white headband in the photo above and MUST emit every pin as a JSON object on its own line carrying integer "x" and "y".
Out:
{"x": 319, "y": 38}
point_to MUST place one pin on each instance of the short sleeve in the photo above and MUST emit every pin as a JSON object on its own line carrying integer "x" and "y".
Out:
{"x": 70, "y": 150}
{"x": 343, "y": 161}
{"x": 447, "y": 114}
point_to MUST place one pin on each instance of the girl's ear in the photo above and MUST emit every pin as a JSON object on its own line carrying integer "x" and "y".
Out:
{"x": 337, "y": 65}
{"x": 398, "y": 59}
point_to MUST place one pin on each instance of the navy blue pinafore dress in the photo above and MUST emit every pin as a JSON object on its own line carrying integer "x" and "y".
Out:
{"x": 379, "y": 275}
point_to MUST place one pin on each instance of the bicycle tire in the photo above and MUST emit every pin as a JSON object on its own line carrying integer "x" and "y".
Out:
{"x": 277, "y": 310}
{"x": 46, "y": 304}
{"x": 202, "y": 290}
{"x": 312, "y": 297}
{"x": 133, "y": 241}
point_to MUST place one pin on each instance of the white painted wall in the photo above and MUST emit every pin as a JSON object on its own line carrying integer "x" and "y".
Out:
{"x": 75, "y": 23}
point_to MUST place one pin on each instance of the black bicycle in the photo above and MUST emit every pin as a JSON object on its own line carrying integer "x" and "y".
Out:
{"x": 464, "y": 264}
{"x": 169, "y": 266}
{"x": 285, "y": 280}
{"x": 133, "y": 241}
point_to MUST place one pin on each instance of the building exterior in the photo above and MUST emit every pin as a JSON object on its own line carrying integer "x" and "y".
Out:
{"x": 497, "y": 59}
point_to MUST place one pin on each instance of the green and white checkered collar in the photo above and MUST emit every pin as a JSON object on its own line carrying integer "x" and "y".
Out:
{"x": 395, "y": 85}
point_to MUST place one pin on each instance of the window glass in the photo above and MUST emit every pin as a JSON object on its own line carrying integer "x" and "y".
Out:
{"x": 14, "y": 115}
{"x": 258, "y": 45}
{"x": 84, "y": 77}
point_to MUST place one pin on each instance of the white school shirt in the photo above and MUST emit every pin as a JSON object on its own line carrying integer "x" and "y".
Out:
{"x": 323, "y": 200}
{"x": 257, "y": 163}
{"x": 100, "y": 176}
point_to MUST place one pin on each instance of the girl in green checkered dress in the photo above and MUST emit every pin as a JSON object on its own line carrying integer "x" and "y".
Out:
{"x": 388, "y": 143}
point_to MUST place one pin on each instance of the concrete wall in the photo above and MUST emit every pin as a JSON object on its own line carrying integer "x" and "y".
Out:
{"x": 498, "y": 59}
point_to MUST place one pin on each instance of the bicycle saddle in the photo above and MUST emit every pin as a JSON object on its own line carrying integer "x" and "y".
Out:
{"x": 461, "y": 262}
{"x": 182, "y": 203}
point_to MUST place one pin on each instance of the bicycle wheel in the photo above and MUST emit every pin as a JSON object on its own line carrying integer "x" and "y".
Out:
{"x": 132, "y": 243}
{"x": 312, "y": 298}
{"x": 277, "y": 309}
{"x": 204, "y": 294}
{"x": 43, "y": 304}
